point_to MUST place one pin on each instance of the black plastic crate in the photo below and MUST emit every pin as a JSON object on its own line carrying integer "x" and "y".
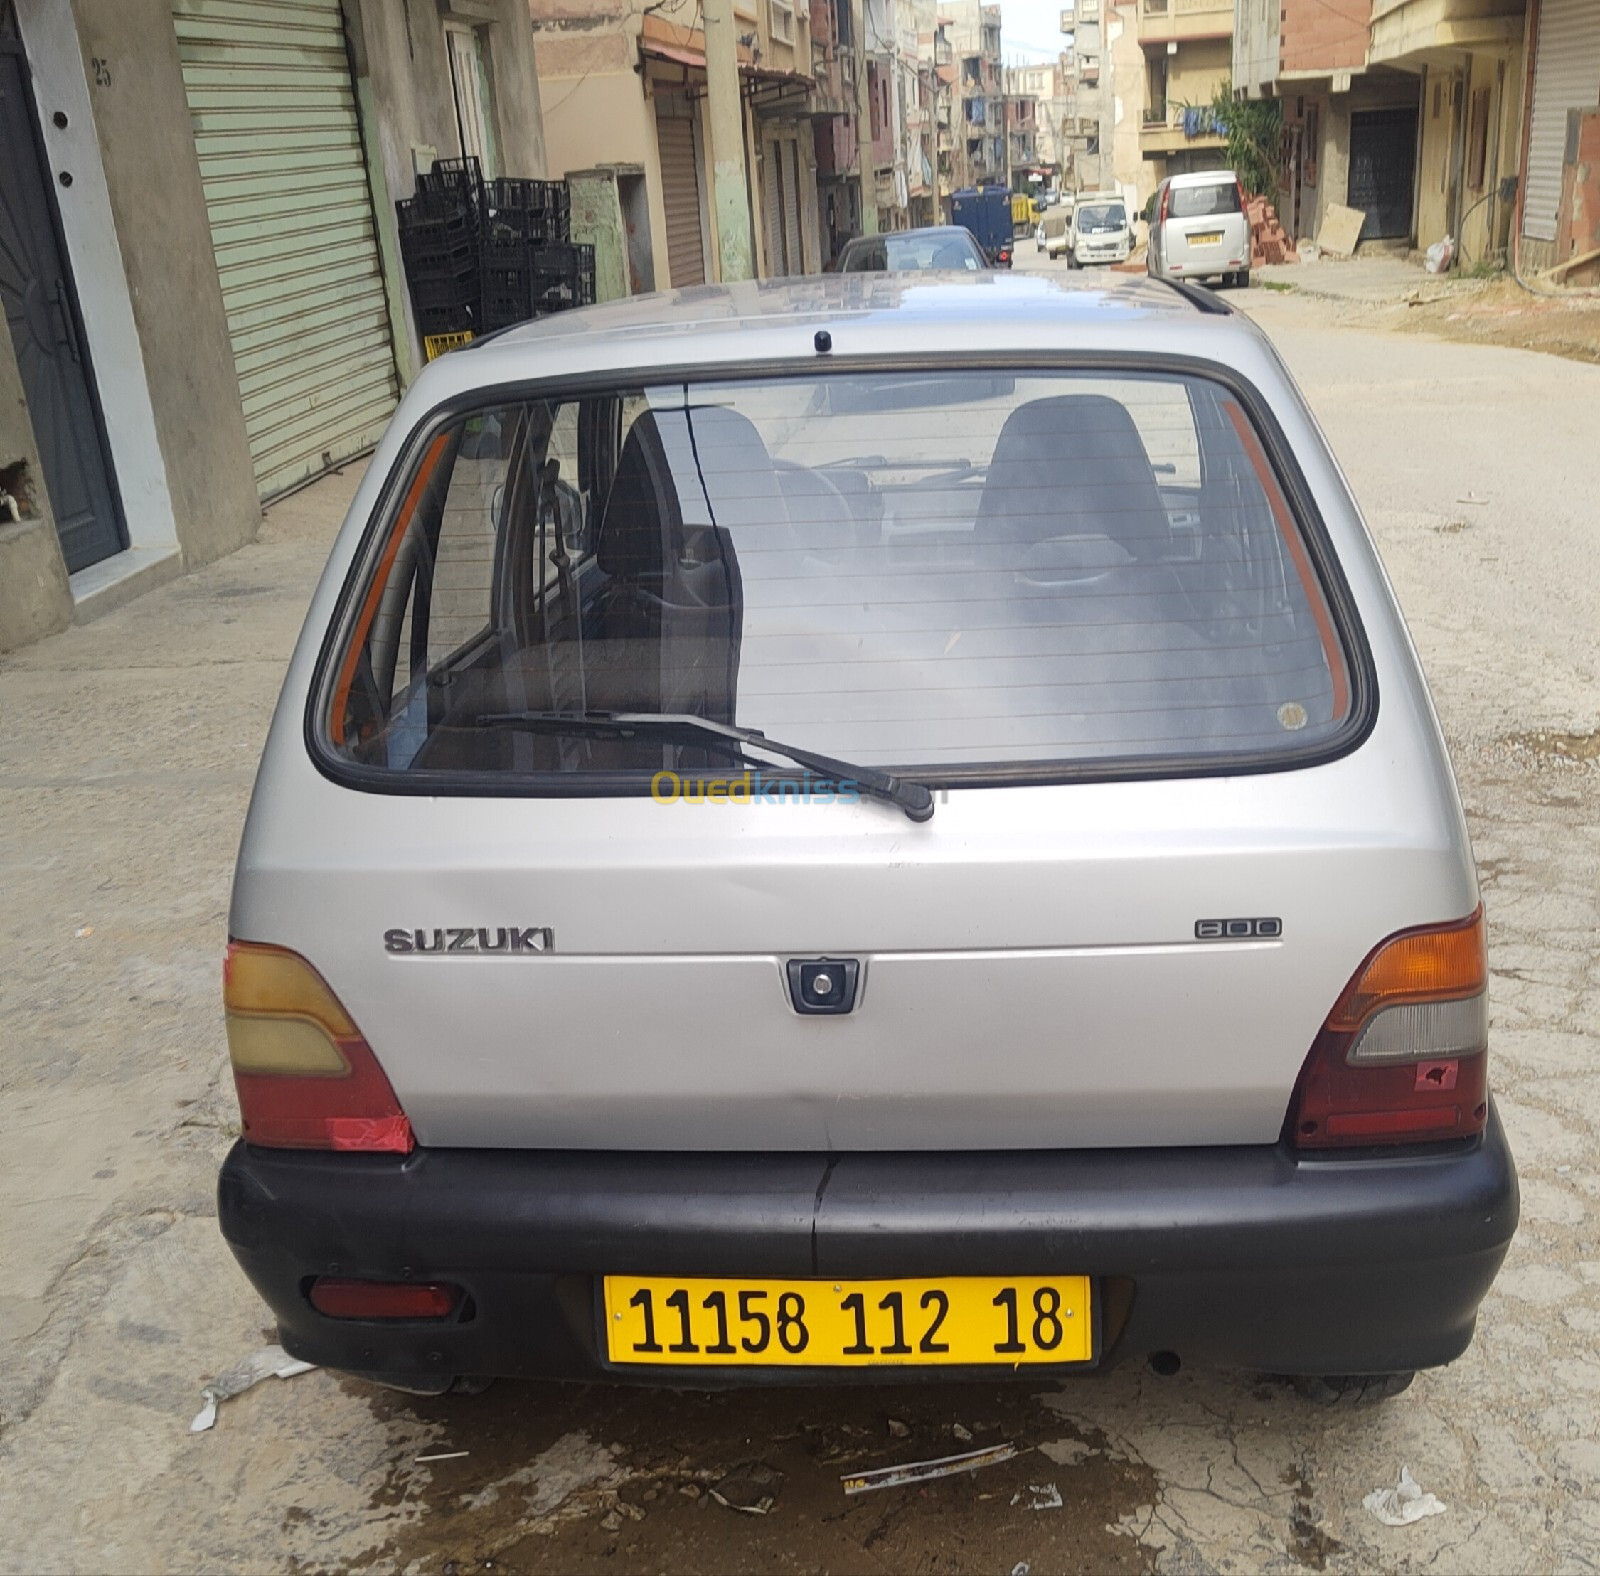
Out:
{"x": 458, "y": 175}
{"x": 460, "y": 318}
{"x": 450, "y": 291}
{"x": 563, "y": 276}
{"x": 501, "y": 311}
{"x": 527, "y": 210}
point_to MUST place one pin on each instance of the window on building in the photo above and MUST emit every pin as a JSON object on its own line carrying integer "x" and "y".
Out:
{"x": 782, "y": 20}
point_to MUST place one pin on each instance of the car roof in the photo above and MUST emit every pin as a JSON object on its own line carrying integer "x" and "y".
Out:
{"x": 768, "y": 324}
{"x": 1202, "y": 178}
{"x": 906, "y": 235}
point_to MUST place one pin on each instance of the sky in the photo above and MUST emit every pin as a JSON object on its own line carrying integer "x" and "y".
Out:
{"x": 1030, "y": 30}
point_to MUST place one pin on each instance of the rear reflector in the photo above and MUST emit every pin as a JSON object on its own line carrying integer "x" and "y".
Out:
{"x": 306, "y": 1078}
{"x": 364, "y": 1299}
{"x": 1403, "y": 1056}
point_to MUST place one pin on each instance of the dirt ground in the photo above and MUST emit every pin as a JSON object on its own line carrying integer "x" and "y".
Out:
{"x": 1503, "y": 313}
{"x": 127, "y": 751}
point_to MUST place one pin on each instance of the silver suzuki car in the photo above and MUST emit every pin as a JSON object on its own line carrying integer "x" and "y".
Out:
{"x": 860, "y": 828}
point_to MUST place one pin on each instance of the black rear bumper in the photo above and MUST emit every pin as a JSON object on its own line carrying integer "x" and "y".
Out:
{"x": 1245, "y": 1257}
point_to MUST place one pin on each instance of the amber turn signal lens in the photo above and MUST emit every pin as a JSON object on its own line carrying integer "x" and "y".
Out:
{"x": 306, "y": 1078}
{"x": 1415, "y": 966}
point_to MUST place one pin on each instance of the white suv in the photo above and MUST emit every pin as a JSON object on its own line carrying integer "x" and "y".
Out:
{"x": 1200, "y": 229}
{"x": 862, "y": 823}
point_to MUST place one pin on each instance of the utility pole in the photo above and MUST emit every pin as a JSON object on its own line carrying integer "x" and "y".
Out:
{"x": 730, "y": 192}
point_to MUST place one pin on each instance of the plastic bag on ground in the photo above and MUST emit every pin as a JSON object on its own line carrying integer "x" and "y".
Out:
{"x": 1404, "y": 1503}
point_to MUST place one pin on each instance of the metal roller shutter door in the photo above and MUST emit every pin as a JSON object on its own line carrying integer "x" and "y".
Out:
{"x": 1566, "y": 76}
{"x": 791, "y": 204}
{"x": 680, "y": 198}
{"x": 772, "y": 209}
{"x": 268, "y": 84}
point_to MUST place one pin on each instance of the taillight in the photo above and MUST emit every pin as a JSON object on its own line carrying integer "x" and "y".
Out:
{"x": 1403, "y": 1056}
{"x": 306, "y": 1078}
{"x": 340, "y": 1298}
{"x": 1166, "y": 197}
{"x": 1238, "y": 186}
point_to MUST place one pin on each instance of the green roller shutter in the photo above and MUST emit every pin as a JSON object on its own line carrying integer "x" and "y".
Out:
{"x": 268, "y": 84}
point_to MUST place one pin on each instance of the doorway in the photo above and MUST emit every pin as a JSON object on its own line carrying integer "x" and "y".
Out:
{"x": 41, "y": 313}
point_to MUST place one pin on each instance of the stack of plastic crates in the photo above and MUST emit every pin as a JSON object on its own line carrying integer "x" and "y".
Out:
{"x": 441, "y": 244}
{"x": 530, "y": 266}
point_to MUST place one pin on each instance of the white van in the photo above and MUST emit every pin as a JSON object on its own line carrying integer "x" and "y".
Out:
{"x": 1099, "y": 232}
{"x": 1200, "y": 229}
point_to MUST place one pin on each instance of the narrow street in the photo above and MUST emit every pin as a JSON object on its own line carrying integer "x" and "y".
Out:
{"x": 127, "y": 751}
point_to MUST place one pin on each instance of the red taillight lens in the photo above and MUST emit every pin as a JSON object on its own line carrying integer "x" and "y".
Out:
{"x": 364, "y": 1299}
{"x": 1239, "y": 187}
{"x": 1403, "y": 1056}
{"x": 1166, "y": 197}
{"x": 306, "y": 1078}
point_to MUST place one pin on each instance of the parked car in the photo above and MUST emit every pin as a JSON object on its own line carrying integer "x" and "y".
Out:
{"x": 813, "y": 831}
{"x": 1199, "y": 229}
{"x": 1099, "y": 230}
{"x": 939, "y": 246}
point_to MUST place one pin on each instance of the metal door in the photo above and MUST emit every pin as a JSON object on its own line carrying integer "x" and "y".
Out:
{"x": 680, "y": 197}
{"x": 1566, "y": 76}
{"x": 41, "y": 314}
{"x": 1383, "y": 159}
{"x": 286, "y": 192}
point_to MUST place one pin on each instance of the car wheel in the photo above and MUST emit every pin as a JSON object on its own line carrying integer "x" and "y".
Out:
{"x": 1350, "y": 1389}
{"x": 1242, "y": 279}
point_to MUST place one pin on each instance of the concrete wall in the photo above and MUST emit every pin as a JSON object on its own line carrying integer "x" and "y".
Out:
{"x": 1131, "y": 173}
{"x": 152, "y": 174}
{"x": 1198, "y": 69}
{"x": 399, "y": 46}
{"x": 401, "y": 69}
{"x": 35, "y": 599}
{"x": 1317, "y": 36}
{"x": 597, "y": 108}
{"x": 1255, "y": 45}
{"x": 1442, "y": 97}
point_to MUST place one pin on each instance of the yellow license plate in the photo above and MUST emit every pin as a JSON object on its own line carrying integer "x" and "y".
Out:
{"x": 1210, "y": 238}
{"x": 947, "y": 1321}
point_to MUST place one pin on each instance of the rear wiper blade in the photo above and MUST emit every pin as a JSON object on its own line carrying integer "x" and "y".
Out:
{"x": 685, "y": 728}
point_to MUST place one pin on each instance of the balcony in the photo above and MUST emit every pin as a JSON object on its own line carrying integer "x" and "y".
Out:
{"x": 1162, "y": 20}
{"x": 1175, "y": 128}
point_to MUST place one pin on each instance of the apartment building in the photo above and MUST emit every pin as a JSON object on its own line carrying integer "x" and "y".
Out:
{"x": 1094, "y": 120}
{"x": 1186, "y": 49}
{"x": 625, "y": 90}
{"x": 1432, "y": 117}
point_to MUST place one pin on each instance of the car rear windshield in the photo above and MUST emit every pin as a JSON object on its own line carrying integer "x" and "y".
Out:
{"x": 901, "y": 253}
{"x": 957, "y": 574}
{"x": 1201, "y": 202}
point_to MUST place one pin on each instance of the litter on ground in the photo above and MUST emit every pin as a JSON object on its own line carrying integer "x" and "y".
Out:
{"x": 1404, "y": 1503}
{"x": 271, "y": 1362}
{"x": 925, "y": 1471}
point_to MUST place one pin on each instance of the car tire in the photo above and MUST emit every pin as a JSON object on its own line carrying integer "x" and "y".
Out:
{"x": 1350, "y": 1389}
{"x": 1242, "y": 279}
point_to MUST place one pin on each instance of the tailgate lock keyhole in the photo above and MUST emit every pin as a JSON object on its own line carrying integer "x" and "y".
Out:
{"x": 823, "y": 985}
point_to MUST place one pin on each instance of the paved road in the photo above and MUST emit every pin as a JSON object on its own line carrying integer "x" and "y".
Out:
{"x": 126, "y": 755}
